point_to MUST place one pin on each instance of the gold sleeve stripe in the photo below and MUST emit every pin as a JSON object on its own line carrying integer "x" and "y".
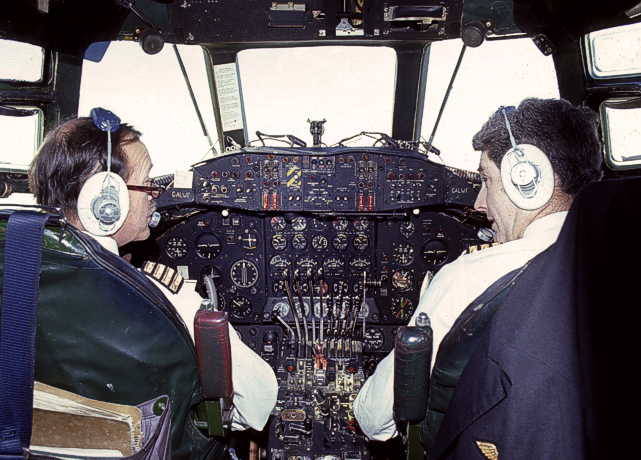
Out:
{"x": 166, "y": 276}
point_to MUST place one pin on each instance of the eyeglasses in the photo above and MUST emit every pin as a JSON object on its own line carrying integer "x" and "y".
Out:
{"x": 154, "y": 191}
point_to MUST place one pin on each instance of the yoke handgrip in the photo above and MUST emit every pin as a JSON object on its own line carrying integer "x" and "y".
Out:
{"x": 413, "y": 358}
{"x": 213, "y": 348}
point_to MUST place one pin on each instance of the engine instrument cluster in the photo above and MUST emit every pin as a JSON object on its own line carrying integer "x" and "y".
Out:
{"x": 318, "y": 256}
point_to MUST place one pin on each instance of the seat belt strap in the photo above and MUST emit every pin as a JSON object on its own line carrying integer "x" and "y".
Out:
{"x": 23, "y": 255}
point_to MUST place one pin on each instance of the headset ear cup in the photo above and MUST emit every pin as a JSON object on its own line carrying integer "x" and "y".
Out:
{"x": 103, "y": 204}
{"x": 528, "y": 179}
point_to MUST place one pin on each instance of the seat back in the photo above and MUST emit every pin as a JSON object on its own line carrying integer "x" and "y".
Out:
{"x": 105, "y": 332}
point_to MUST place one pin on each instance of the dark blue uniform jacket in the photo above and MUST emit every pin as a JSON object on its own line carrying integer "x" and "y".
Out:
{"x": 554, "y": 375}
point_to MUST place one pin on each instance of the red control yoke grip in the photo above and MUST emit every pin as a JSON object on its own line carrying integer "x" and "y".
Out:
{"x": 213, "y": 348}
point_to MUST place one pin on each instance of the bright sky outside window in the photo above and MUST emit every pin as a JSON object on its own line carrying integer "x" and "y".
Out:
{"x": 20, "y": 61}
{"x": 623, "y": 137}
{"x": 351, "y": 87}
{"x": 481, "y": 87}
{"x": 615, "y": 52}
{"x": 150, "y": 93}
{"x": 20, "y": 140}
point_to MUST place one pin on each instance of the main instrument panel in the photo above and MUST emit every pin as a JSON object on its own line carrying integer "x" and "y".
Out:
{"x": 318, "y": 256}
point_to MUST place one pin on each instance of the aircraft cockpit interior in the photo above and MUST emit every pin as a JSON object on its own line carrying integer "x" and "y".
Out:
{"x": 313, "y": 169}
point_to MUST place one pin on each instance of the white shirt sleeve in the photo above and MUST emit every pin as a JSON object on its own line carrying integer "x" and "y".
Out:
{"x": 374, "y": 404}
{"x": 254, "y": 381}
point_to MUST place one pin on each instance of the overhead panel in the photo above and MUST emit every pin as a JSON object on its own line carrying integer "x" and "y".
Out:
{"x": 203, "y": 21}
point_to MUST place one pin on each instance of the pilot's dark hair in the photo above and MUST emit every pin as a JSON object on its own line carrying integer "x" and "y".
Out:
{"x": 569, "y": 136}
{"x": 69, "y": 155}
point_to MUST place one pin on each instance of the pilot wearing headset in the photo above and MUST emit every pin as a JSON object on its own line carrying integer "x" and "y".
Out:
{"x": 97, "y": 170}
{"x": 534, "y": 160}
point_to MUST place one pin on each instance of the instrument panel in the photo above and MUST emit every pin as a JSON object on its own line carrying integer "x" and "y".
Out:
{"x": 318, "y": 256}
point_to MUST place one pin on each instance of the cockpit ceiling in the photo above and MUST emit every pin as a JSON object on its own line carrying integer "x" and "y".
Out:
{"x": 70, "y": 26}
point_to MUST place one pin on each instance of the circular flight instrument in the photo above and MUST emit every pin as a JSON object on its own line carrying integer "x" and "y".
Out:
{"x": 319, "y": 225}
{"x": 361, "y": 224}
{"x": 403, "y": 280}
{"x": 208, "y": 246}
{"x": 334, "y": 265}
{"x": 299, "y": 242}
{"x": 244, "y": 273}
{"x": 407, "y": 229}
{"x": 402, "y": 308}
{"x": 340, "y": 287}
{"x": 361, "y": 242}
{"x": 279, "y": 263}
{"x": 373, "y": 339}
{"x": 279, "y": 287}
{"x": 435, "y": 252}
{"x": 304, "y": 288}
{"x": 340, "y": 224}
{"x": 317, "y": 288}
{"x": 249, "y": 240}
{"x": 305, "y": 308}
{"x": 240, "y": 307}
{"x": 215, "y": 272}
{"x": 359, "y": 264}
{"x": 340, "y": 242}
{"x": 317, "y": 309}
{"x": 305, "y": 262}
{"x": 320, "y": 243}
{"x": 176, "y": 247}
{"x": 299, "y": 223}
{"x": 278, "y": 223}
{"x": 403, "y": 254}
{"x": 279, "y": 242}
{"x": 281, "y": 308}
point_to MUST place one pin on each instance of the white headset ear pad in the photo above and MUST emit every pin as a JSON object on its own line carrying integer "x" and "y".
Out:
{"x": 528, "y": 179}
{"x": 92, "y": 197}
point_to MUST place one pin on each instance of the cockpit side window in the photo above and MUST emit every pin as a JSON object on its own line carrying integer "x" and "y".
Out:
{"x": 150, "y": 93}
{"x": 21, "y": 62}
{"x": 614, "y": 52}
{"x": 480, "y": 87}
{"x": 349, "y": 86}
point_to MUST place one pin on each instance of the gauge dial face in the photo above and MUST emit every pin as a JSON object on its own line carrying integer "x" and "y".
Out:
{"x": 317, "y": 309}
{"x": 278, "y": 223}
{"x": 407, "y": 229}
{"x": 299, "y": 242}
{"x": 361, "y": 242}
{"x": 402, "y": 308}
{"x": 249, "y": 240}
{"x": 297, "y": 308}
{"x": 215, "y": 272}
{"x": 208, "y": 246}
{"x": 340, "y": 242}
{"x": 244, "y": 273}
{"x": 240, "y": 307}
{"x": 340, "y": 224}
{"x": 319, "y": 225}
{"x": 305, "y": 262}
{"x": 320, "y": 243}
{"x": 359, "y": 264}
{"x": 299, "y": 223}
{"x": 373, "y": 339}
{"x": 361, "y": 224}
{"x": 403, "y": 280}
{"x": 280, "y": 263}
{"x": 435, "y": 252}
{"x": 403, "y": 254}
{"x": 176, "y": 247}
{"x": 279, "y": 287}
{"x": 281, "y": 308}
{"x": 279, "y": 242}
{"x": 340, "y": 287}
{"x": 333, "y": 265}
{"x": 304, "y": 288}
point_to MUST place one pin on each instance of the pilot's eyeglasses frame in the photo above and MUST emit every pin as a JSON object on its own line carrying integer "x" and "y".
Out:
{"x": 152, "y": 190}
